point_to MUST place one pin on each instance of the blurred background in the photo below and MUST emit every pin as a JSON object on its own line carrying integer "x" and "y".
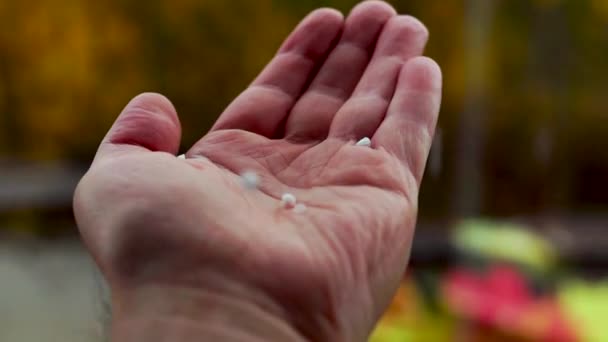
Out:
{"x": 511, "y": 242}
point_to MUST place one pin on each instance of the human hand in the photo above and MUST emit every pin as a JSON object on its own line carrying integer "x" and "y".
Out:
{"x": 189, "y": 253}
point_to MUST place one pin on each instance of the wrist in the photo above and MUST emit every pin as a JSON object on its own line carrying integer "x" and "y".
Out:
{"x": 158, "y": 314}
{"x": 176, "y": 314}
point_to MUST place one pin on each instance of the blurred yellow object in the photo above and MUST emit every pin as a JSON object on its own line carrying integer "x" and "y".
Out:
{"x": 586, "y": 305}
{"x": 391, "y": 333}
{"x": 504, "y": 242}
{"x": 407, "y": 320}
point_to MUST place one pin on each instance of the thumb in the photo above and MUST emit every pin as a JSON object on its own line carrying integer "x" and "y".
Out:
{"x": 148, "y": 123}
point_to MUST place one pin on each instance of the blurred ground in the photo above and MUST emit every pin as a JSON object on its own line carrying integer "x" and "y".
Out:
{"x": 48, "y": 292}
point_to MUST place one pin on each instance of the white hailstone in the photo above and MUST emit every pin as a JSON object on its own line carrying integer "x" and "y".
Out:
{"x": 181, "y": 156}
{"x": 299, "y": 208}
{"x": 365, "y": 142}
{"x": 288, "y": 200}
{"x": 250, "y": 180}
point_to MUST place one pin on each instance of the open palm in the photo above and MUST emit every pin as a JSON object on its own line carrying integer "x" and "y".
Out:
{"x": 150, "y": 218}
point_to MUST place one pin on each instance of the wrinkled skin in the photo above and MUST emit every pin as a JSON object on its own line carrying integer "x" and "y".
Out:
{"x": 153, "y": 221}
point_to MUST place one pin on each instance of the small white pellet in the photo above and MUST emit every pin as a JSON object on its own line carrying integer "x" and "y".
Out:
{"x": 250, "y": 180}
{"x": 288, "y": 200}
{"x": 181, "y": 156}
{"x": 365, "y": 142}
{"x": 299, "y": 208}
